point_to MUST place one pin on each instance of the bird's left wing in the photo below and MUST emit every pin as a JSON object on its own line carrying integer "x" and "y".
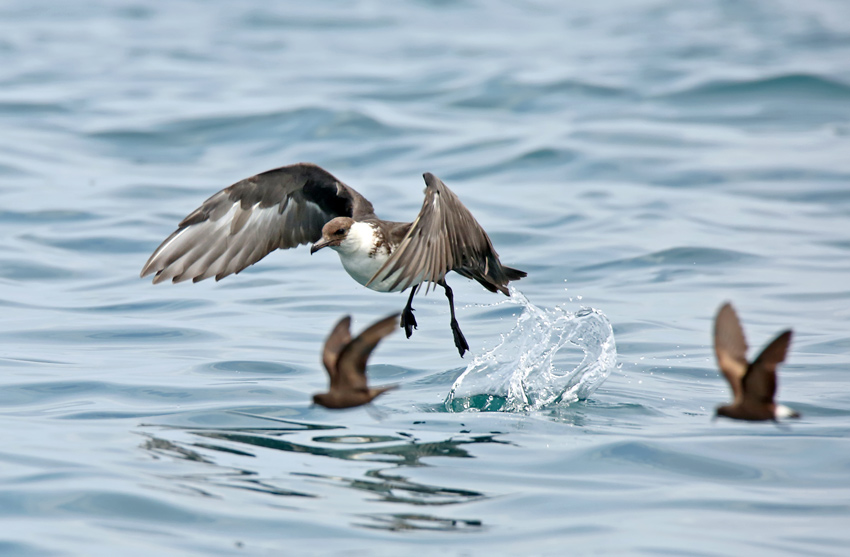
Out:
{"x": 241, "y": 224}
{"x": 339, "y": 337}
{"x": 730, "y": 347}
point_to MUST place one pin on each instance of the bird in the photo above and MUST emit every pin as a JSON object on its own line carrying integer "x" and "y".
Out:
{"x": 345, "y": 360}
{"x": 303, "y": 203}
{"x": 753, "y": 384}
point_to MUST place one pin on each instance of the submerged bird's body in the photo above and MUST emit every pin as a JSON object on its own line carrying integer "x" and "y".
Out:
{"x": 303, "y": 203}
{"x": 753, "y": 384}
{"x": 345, "y": 361}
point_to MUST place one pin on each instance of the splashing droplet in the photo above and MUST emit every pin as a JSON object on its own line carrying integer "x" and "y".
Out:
{"x": 524, "y": 371}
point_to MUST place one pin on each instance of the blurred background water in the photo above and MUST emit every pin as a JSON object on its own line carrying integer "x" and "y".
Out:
{"x": 646, "y": 159}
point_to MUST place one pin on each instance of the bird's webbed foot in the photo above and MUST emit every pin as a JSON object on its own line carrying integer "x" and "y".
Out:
{"x": 460, "y": 340}
{"x": 408, "y": 322}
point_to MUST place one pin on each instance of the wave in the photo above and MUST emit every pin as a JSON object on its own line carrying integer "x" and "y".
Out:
{"x": 789, "y": 86}
{"x": 509, "y": 94}
{"x": 543, "y": 160}
{"x": 179, "y": 138}
{"x": 676, "y": 257}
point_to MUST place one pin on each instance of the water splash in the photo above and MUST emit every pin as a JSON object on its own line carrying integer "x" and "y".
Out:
{"x": 524, "y": 371}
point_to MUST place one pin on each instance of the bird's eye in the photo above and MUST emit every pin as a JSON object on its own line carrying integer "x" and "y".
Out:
{"x": 339, "y": 231}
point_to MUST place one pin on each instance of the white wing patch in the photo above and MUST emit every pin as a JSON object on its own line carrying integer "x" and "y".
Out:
{"x": 212, "y": 249}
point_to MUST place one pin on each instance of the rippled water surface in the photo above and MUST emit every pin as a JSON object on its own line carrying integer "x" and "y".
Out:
{"x": 642, "y": 161}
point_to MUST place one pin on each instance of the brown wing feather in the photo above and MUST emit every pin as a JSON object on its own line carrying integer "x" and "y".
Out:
{"x": 339, "y": 337}
{"x": 351, "y": 364}
{"x": 760, "y": 381}
{"x": 282, "y": 208}
{"x": 730, "y": 346}
{"x": 446, "y": 237}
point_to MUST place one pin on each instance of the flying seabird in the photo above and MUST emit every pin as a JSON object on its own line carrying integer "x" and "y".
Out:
{"x": 345, "y": 360}
{"x": 753, "y": 384}
{"x": 303, "y": 203}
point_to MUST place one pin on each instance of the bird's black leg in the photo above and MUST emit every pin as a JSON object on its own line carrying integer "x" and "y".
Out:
{"x": 408, "y": 322}
{"x": 460, "y": 340}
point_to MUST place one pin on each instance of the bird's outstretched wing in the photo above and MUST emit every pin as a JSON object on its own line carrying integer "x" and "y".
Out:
{"x": 351, "y": 364}
{"x": 339, "y": 337}
{"x": 730, "y": 346}
{"x": 446, "y": 237}
{"x": 760, "y": 381}
{"x": 241, "y": 224}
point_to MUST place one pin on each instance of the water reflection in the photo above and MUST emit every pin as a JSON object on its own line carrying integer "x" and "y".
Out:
{"x": 401, "y": 522}
{"x": 408, "y": 452}
{"x": 222, "y": 477}
{"x": 164, "y": 447}
{"x": 399, "y": 489}
{"x": 238, "y": 457}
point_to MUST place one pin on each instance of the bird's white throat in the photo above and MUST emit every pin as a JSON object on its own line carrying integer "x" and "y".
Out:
{"x": 361, "y": 256}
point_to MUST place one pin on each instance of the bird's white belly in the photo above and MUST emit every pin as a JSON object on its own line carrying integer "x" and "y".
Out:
{"x": 362, "y": 268}
{"x": 362, "y": 259}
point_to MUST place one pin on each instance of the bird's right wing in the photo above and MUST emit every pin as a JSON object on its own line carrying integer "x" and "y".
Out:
{"x": 445, "y": 237}
{"x": 241, "y": 224}
{"x": 351, "y": 364}
{"x": 730, "y": 346}
{"x": 760, "y": 381}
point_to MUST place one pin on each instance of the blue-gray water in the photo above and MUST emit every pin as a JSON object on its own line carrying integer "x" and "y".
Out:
{"x": 646, "y": 159}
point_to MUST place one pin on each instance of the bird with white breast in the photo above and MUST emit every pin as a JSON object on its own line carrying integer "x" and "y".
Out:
{"x": 303, "y": 203}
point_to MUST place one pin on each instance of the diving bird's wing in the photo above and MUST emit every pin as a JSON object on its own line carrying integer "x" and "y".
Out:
{"x": 760, "y": 381}
{"x": 730, "y": 346}
{"x": 241, "y": 224}
{"x": 446, "y": 237}
{"x": 339, "y": 337}
{"x": 351, "y": 364}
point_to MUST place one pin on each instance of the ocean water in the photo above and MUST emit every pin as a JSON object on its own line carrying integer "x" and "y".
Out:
{"x": 642, "y": 161}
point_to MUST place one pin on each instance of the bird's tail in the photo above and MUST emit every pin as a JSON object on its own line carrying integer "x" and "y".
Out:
{"x": 375, "y": 391}
{"x": 513, "y": 274}
{"x": 494, "y": 276}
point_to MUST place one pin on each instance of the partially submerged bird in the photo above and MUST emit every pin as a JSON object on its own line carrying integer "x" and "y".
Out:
{"x": 345, "y": 360}
{"x": 303, "y": 203}
{"x": 753, "y": 384}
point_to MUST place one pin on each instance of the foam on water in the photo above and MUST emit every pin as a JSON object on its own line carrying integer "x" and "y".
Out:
{"x": 524, "y": 371}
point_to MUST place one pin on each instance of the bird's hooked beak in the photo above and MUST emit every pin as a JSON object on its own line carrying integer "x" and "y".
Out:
{"x": 319, "y": 245}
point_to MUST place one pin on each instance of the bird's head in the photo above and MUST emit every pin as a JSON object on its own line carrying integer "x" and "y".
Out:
{"x": 334, "y": 233}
